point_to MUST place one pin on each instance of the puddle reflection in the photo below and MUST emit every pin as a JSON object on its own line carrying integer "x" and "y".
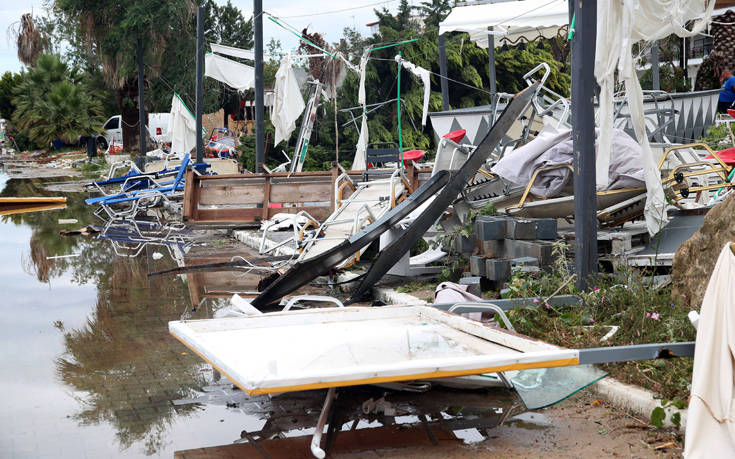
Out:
{"x": 96, "y": 373}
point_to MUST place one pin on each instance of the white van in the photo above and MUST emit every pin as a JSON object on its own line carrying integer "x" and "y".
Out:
{"x": 157, "y": 130}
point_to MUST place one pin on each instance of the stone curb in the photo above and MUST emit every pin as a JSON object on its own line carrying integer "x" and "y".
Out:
{"x": 635, "y": 400}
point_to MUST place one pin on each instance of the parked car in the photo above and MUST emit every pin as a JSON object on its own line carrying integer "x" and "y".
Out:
{"x": 157, "y": 130}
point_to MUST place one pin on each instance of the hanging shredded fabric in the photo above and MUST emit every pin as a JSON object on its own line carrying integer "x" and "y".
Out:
{"x": 359, "y": 163}
{"x": 620, "y": 24}
{"x": 181, "y": 126}
{"x": 287, "y": 102}
{"x": 234, "y": 52}
{"x": 424, "y": 76}
{"x": 232, "y": 73}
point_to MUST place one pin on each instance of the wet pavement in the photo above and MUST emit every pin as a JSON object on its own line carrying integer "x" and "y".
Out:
{"x": 90, "y": 369}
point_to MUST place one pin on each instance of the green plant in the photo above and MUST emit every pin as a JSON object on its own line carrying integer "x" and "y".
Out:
{"x": 54, "y": 102}
{"x": 658, "y": 415}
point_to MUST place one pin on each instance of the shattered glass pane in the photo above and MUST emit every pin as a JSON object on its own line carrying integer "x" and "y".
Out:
{"x": 548, "y": 386}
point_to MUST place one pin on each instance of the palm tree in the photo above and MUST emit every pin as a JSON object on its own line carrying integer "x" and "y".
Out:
{"x": 53, "y": 102}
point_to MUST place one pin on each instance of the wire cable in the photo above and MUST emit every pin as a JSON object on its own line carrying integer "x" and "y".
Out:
{"x": 342, "y": 10}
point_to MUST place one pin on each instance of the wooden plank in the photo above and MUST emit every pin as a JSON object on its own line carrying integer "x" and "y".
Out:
{"x": 189, "y": 203}
{"x": 313, "y": 192}
{"x": 231, "y": 195}
{"x": 231, "y": 215}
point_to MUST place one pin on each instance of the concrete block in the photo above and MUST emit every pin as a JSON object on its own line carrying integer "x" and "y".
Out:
{"x": 464, "y": 244}
{"x": 477, "y": 265}
{"x": 489, "y": 230}
{"x": 497, "y": 270}
{"x": 474, "y": 283}
{"x": 546, "y": 229}
{"x": 520, "y": 229}
{"x": 540, "y": 250}
{"x": 494, "y": 249}
{"x": 523, "y": 261}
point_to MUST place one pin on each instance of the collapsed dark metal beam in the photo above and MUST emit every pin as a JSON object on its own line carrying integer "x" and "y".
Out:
{"x": 635, "y": 352}
{"x": 308, "y": 270}
{"x": 390, "y": 255}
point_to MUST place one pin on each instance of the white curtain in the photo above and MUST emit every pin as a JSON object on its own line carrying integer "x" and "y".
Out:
{"x": 620, "y": 24}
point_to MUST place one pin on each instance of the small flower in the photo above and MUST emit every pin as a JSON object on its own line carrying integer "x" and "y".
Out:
{"x": 648, "y": 315}
{"x": 639, "y": 333}
{"x": 595, "y": 288}
{"x": 655, "y": 316}
{"x": 535, "y": 300}
{"x": 546, "y": 305}
{"x": 592, "y": 320}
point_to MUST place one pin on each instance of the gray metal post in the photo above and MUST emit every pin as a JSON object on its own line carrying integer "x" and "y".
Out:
{"x": 259, "y": 111}
{"x": 583, "y": 138}
{"x": 200, "y": 82}
{"x": 491, "y": 61}
{"x": 491, "y": 72}
{"x": 443, "y": 72}
{"x": 656, "y": 82}
{"x": 141, "y": 100}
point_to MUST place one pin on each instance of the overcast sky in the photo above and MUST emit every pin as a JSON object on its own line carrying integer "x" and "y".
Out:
{"x": 326, "y": 16}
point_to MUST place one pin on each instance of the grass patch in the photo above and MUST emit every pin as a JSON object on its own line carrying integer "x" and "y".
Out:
{"x": 414, "y": 287}
{"x": 625, "y": 299}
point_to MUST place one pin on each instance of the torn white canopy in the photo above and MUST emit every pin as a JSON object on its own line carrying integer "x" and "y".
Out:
{"x": 620, "y": 24}
{"x": 232, "y": 73}
{"x": 510, "y": 19}
{"x": 288, "y": 103}
{"x": 181, "y": 126}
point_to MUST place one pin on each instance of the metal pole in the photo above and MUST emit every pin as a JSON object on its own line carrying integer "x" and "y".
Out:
{"x": 491, "y": 73}
{"x": 398, "y": 98}
{"x": 141, "y": 100}
{"x": 200, "y": 82}
{"x": 654, "y": 67}
{"x": 583, "y": 138}
{"x": 443, "y": 72}
{"x": 259, "y": 111}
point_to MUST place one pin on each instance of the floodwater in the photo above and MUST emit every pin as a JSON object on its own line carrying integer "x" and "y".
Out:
{"x": 90, "y": 370}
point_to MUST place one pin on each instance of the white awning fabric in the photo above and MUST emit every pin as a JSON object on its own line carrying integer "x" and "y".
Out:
{"x": 181, "y": 127}
{"x": 232, "y": 73}
{"x": 234, "y": 52}
{"x": 511, "y": 19}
